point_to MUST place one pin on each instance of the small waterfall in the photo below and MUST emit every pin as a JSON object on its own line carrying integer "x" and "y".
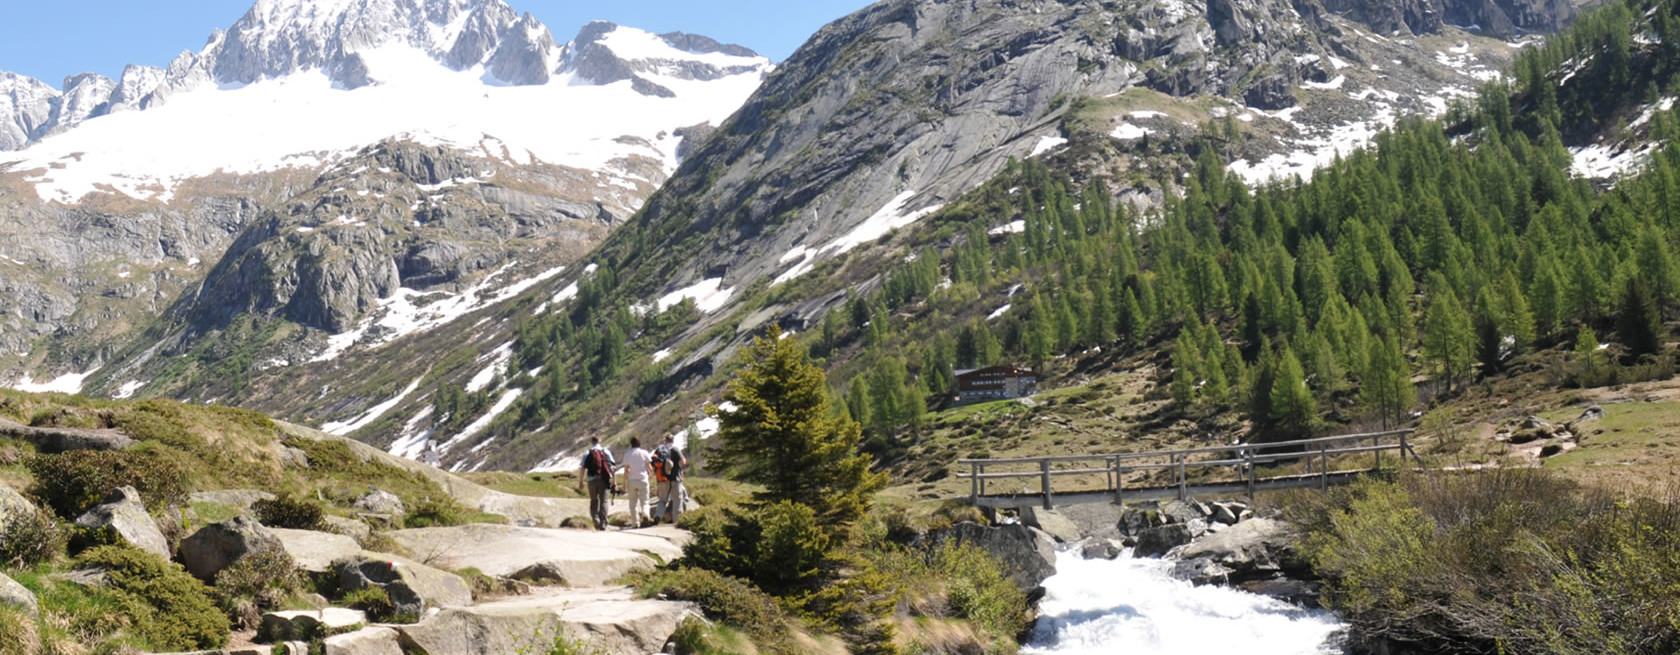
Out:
{"x": 1135, "y": 607}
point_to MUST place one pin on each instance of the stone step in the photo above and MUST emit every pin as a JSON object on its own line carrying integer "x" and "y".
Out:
{"x": 611, "y": 619}
{"x": 576, "y": 558}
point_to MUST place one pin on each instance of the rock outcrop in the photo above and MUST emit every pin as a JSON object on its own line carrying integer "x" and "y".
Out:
{"x": 613, "y": 620}
{"x": 375, "y": 640}
{"x": 315, "y": 552}
{"x": 219, "y": 545}
{"x": 413, "y": 587}
{"x": 13, "y": 506}
{"x": 1027, "y": 553}
{"x": 307, "y": 624}
{"x": 122, "y": 512}
{"x": 567, "y": 557}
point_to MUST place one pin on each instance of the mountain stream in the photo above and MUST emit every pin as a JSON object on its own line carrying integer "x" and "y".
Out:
{"x": 1134, "y": 606}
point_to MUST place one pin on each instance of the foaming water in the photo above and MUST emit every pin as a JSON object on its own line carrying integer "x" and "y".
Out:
{"x": 1134, "y": 606}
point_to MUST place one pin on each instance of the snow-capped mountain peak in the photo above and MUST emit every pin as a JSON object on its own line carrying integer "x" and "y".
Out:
{"x": 305, "y": 83}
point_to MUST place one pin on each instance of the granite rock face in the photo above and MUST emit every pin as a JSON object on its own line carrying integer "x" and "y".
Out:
{"x": 123, "y": 512}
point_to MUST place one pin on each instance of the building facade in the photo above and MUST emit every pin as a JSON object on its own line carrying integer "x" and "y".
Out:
{"x": 1000, "y": 382}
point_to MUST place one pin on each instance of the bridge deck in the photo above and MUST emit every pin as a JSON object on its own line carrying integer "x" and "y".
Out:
{"x": 1212, "y": 489}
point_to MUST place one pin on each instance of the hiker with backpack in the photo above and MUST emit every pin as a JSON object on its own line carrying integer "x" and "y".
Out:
{"x": 637, "y": 469}
{"x": 668, "y": 464}
{"x": 597, "y": 470}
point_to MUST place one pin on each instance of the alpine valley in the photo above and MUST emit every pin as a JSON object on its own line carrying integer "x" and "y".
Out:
{"x": 415, "y": 221}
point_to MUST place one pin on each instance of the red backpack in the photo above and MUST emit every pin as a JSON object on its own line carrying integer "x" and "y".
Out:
{"x": 597, "y": 464}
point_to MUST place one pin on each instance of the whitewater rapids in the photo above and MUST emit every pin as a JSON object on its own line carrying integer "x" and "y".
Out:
{"x": 1134, "y": 606}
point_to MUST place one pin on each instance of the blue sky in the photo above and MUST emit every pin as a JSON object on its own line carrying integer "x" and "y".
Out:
{"x": 52, "y": 39}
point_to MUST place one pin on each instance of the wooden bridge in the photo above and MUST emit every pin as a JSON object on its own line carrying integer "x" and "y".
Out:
{"x": 1212, "y": 471}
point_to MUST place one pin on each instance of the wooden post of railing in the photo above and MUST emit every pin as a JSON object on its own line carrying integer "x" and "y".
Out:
{"x": 1183, "y": 494}
{"x": 1323, "y": 468}
{"x": 974, "y": 483}
{"x": 1404, "y": 448}
{"x": 1248, "y": 462}
{"x": 1376, "y": 452}
{"x": 1044, "y": 470}
{"x": 1119, "y": 482}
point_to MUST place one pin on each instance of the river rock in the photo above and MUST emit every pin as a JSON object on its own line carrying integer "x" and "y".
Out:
{"x": 1250, "y": 550}
{"x": 1156, "y": 541}
{"x": 382, "y": 502}
{"x": 1134, "y": 520}
{"x": 412, "y": 586}
{"x": 123, "y": 512}
{"x": 1223, "y": 513}
{"x": 17, "y": 596}
{"x": 1179, "y": 511}
{"x": 1099, "y": 548}
{"x": 1051, "y": 522}
{"x": 1028, "y": 554}
{"x": 218, "y": 545}
{"x": 613, "y": 621}
{"x": 567, "y": 557}
{"x": 375, "y": 640}
{"x": 352, "y": 528}
{"x": 1592, "y": 413}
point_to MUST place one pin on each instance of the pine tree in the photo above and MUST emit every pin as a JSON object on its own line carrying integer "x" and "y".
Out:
{"x": 1185, "y": 360}
{"x": 1638, "y": 325}
{"x": 1586, "y": 351}
{"x": 1293, "y": 412}
{"x": 1386, "y": 385}
{"x": 1448, "y": 337}
{"x": 783, "y": 435}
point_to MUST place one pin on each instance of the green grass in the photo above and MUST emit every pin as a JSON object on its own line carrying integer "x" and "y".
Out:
{"x": 1630, "y": 434}
{"x": 546, "y": 485}
{"x": 214, "y": 512}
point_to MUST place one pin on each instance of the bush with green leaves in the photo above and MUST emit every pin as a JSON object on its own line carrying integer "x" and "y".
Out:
{"x": 780, "y": 547}
{"x": 435, "y": 512}
{"x": 1512, "y": 560}
{"x": 74, "y": 482}
{"x": 726, "y": 600}
{"x": 377, "y": 604}
{"x": 257, "y": 583}
{"x": 289, "y": 512}
{"x": 170, "y": 609}
{"x": 18, "y": 635}
{"x": 29, "y": 537}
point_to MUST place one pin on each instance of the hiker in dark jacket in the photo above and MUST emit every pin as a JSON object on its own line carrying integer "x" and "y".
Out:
{"x": 597, "y": 471}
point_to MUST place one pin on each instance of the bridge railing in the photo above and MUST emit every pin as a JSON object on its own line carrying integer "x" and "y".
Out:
{"x": 1243, "y": 458}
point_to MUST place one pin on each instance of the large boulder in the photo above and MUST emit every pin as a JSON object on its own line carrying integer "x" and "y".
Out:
{"x": 314, "y": 551}
{"x": 613, "y": 621}
{"x": 13, "y": 506}
{"x": 17, "y": 596}
{"x": 1053, "y": 523}
{"x": 382, "y": 502}
{"x": 1251, "y": 550}
{"x": 367, "y": 641}
{"x": 1028, "y": 555}
{"x": 412, "y": 586}
{"x": 218, "y": 545}
{"x": 122, "y": 512}
{"x": 1156, "y": 541}
{"x": 567, "y": 557}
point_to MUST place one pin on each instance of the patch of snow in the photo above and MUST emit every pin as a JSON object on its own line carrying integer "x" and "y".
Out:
{"x": 1012, "y": 227}
{"x": 127, "y": 389}
{"x": 1334, "y": 83}
{"x": 708, "y": 294}
{"x": 888, "y": 218}
{"x": 1316, "y": 152}
{"x": 67, "y": 383}
{"x": 409, "y": 311}
{"x": 1143, "y": 114}
{"x": 472, "y": 430}
{"x": 662, "y": 355}
{"x": 1129, "y": 132}
{"x": 1046, "y": 144}
{"x": 1603, "y": 162}
{"x": 559, "y": 463}
{"x": 999, "y": 312}
{"x": 499, "y": 359}
{"x": 372, "y": 414}
{"x": 412, "y": 443}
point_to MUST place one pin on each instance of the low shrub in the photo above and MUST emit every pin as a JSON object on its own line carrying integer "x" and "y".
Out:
{"x": 435, "y": 512}
{"x": 72, "y": 483}
{"x": 780, "y": 548}
{"x": 1506, "y": 560}
{"x": 170, "y": 609}
{"x": 723, "y": 599}
{"x": 257, "y": 583}
{"x": 31, "y": 537}
{"x": 289, "y": 511}
{"x": 377, "y": 605}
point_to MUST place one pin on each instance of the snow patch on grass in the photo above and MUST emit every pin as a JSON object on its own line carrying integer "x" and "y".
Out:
{"x": 498, "y": 365}
{"x": 372, "y": 414}
{"x": 1046, "y": 144}
{"x": 708, "y": 294}
{"x": 127, "y": 389}
{"x": 67, "y": 383}
{"x": 1129, "y": 132}
{"x": 409, "y": 311}
{"x": 1012, "y": 227}
{"x": 473, "y": 429}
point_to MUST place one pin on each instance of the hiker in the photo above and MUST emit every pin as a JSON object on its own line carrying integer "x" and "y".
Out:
{"x": 638, "y": 464}
{"x": 597, "y": 470}
{"x": 668, "y": 469}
